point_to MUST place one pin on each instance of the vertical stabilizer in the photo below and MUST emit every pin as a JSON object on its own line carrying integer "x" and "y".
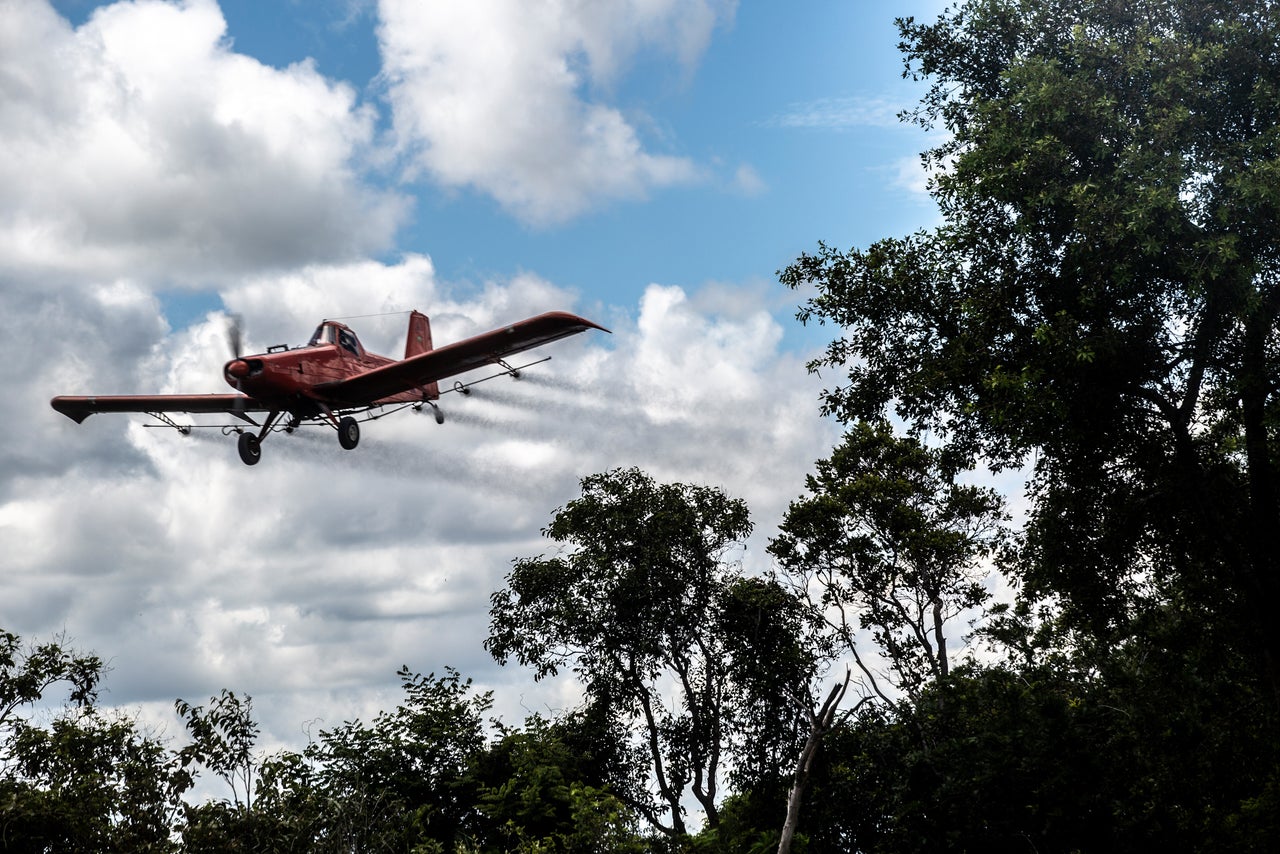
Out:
{"x": 419, "y": 342}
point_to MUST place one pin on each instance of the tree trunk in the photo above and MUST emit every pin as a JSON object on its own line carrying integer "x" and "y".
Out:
{"x": 1263, "y": 514}
{"x": 820, "y": 726}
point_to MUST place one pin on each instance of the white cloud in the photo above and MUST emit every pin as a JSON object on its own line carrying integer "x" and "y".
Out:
{"x": 504, "y": 96}
{"x": 141, "y": 143}
{"x": 911, "y": 175}
{"x": 140, "y": 147}
{"x": 307, "y": 580}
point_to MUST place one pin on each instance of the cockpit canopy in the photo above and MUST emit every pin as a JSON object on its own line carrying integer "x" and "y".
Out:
{"x": 331, "y": 332}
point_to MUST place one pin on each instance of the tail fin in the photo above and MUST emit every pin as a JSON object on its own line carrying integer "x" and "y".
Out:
{"x": 419, "y": 342}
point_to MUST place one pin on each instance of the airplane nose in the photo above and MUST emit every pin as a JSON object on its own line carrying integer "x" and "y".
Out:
{"x": 238, "y": 368}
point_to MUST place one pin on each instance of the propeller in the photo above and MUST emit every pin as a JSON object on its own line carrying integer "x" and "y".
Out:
{"x": 235, "y": 343}
{"x": 235, "y": 335}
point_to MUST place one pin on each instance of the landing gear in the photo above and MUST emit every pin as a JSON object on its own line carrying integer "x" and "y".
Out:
{"x": 348, "y": 432}
{"x": 250, "y": 444}
{"x": 250, "y": 449}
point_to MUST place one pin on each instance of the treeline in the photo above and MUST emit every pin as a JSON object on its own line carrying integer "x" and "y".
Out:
{"x": 1098, "y": 309}
{"x": 702, "y": 687}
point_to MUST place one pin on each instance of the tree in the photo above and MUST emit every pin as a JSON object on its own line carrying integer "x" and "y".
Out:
{"x": 891, "y": 544}
{"x": 222, "y": 739}
{"x": 1102, "y": 294}
{"x": 636, "y": 604}
{"x": 821, "y": 723}
{"x": 773, "y": 648}
{"x": 27, "y": 673}
{"x": 546, "y": 788}
{"x": 402, "y": 780}
{"x": 223, "y": 735}
{"x": 1099, "y": 304}
{"x": 88, "y": 780}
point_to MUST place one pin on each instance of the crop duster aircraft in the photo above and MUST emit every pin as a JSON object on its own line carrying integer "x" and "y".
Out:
{"x": 332, "y": 379}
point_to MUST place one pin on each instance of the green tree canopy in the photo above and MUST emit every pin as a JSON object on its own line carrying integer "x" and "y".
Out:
{"x": 1101, "y": 297}
{"x": 88, "y": 779}
{"x": 888, "y": 542}
{"x": 644, "y": 602}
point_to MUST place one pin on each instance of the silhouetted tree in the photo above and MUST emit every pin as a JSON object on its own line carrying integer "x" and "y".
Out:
{"x": 643, "y": 603}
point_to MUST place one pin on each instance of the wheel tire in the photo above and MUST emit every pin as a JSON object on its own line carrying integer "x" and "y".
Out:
{"x": 348, "y": 432}
{"x": 250, "y": 449}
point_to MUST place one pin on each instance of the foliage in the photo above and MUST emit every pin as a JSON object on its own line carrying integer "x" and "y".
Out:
{"x": 642, "y": 602}
{"x": 995, "y": 759}
{"x": 27, "y": 673}
{"x": 422, "y": 777}
{"x": 401, "y": 780}
{"x": 545, "y": 788}
{"x": 88, "y": 780}
{"x": 886, "y": 534}
{"x": 1102, "y": 293}
{"x": 770, "y": 643}
{"x": 222, "y": 740}
{"x": 1099, "y": 304}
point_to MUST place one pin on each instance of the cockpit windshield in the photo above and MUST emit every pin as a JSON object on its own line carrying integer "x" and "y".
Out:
{"x": 323, "y": 335}
{"x": 335, "y": 333}
{"x": 347, "y": 339}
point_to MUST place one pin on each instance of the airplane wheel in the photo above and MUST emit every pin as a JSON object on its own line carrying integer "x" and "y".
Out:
{"x": 348, "y": 432}
{"x": 439, "y": 416}
{"x": 250, "y": 449}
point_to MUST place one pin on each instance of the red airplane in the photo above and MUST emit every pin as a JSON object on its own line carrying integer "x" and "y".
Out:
{"x": 333, "y": 378}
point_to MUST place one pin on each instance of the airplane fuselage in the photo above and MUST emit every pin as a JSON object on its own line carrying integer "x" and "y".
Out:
{"x": 294, "y": 377}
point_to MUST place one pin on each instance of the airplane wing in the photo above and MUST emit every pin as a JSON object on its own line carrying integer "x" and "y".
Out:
{"x": 80, "y": 408}
{"x": 456, "y": 358}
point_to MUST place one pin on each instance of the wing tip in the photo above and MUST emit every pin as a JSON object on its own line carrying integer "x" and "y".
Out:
{"x": 577, "y": 320}
{"x": 75, "y": 408}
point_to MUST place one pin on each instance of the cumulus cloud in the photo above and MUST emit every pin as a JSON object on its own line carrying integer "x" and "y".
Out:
{"x": 504, "y": 96}
{"x": 307, "y": 580}
{"x": 141, "y": 149}
{"x": 142, "y": 143}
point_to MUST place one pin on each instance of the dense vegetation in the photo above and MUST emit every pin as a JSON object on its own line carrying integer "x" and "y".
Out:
{"x": 1098, "y": 309}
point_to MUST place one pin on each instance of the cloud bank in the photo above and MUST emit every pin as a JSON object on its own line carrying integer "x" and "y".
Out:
{"x": 320, "y": 571}
{"x": 144, "y": 153}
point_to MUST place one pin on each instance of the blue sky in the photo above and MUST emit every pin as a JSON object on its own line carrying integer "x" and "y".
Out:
{"x": 649, "y": 164}
{"x": 836, "y": 178}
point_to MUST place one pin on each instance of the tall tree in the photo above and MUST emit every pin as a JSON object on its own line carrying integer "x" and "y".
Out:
{"x": 636, "y": 603}
{"x": 1102, "y": 294}
{"x": 888, "y": 543}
